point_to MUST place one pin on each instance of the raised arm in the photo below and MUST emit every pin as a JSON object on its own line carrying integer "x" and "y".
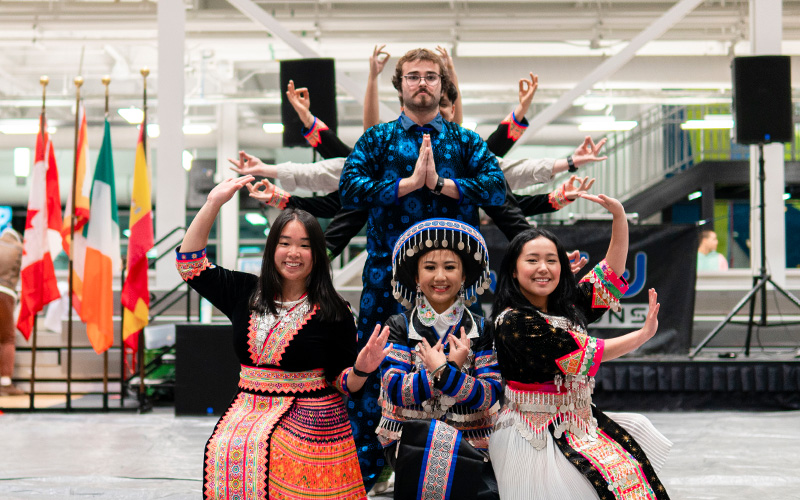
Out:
{"x": 377, "y": 61}
{"x": 196, "y": 237}
{"x": 617, "y": 252}
{"x": 527, "y": 89}
{"x": 301, "y": 102}
{"x": 624, "y": 344}
{"x": 458, "y": 109}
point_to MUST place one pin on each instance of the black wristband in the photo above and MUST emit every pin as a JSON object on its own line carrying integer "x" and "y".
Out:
{"x": 439, "y": 185}
{"x": 362, "y": 374}
{"x": 571, "y": 164}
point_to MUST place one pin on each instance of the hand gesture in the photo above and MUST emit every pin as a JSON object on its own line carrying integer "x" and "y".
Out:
{"x": 527, "y": 88}
{"x": 224, "y": 191}
{"x": 576, "y": 262}
{"x": 588, "y": 152}
{"x": 420, "y": 173}
{"x": 459, "y": 349}
{"x": 301, "y": 102}
{"x": 431, "y": 177}
{"x": 431, "y": 357}
{"x": 247, "y": 165}
{"x": 371, "y": 356}
{"x": 446, "y": 59}
{"x": 262, "y": 190}
{"x": 651, "y": 322}
{"x": 572, "y": 192}
{"x": 377, "y": 60}
{"x": 611, "y": 204}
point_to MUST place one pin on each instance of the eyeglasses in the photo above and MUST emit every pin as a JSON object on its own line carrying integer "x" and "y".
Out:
{"x": 431, "y": 79}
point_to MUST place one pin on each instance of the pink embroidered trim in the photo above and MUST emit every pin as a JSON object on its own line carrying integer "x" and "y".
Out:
{"x": 191, "y": 268}
{"x": 608, "y": 287}
{"x": 275, "y": 344}
{"x": 312, "y": 136}
{"x": 279, "y": 198}
{"x": 271, "y": 380}
{"x": 515, "y": 130}
{"x": 558, "y": 198}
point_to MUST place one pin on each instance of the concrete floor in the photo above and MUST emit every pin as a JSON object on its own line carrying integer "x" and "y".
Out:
{"x": 730, "y": 455}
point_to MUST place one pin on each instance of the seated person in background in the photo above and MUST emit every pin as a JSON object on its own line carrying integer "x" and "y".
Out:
{"x": 708, "y": 259}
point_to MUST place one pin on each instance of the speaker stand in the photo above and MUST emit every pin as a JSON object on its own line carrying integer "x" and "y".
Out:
{"x": 759, "y": 281}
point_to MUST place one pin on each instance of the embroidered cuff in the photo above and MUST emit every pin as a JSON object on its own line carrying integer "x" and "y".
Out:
{"x": 312, "y": 134}
{"x": 340, "y": 382}
{"x": 191, "y": 264}
{"x": 608, "y": 287}
{"x": 279, "y": 198}
{"x": 515, "y": 128}
{"x": 558, "y": 198}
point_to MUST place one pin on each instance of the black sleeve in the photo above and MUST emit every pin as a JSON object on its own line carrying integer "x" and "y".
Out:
{"x": 535, "y": 204}
{"x": 344, "y": 226}
{"x": 508, "y": 217}
{"x": 323, "y": 207}
{"x": 499, "y": 142}
{"x": 330, "y": 146}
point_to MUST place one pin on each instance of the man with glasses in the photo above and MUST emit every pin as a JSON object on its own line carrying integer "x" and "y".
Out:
{"x": 414, "y": 168}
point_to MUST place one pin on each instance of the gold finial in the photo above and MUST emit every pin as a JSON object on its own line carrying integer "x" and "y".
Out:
{"x": 44, "y": 80}
{"x": 78, "y": 81}
{"x": 145, "y": 71}
{"x": 106, "y": 80}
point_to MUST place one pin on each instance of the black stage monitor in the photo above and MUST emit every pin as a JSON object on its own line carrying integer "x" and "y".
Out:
{"x": 762, "y": 99}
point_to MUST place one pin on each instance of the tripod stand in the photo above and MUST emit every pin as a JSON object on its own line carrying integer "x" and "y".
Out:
{"x": 759, "y": 281}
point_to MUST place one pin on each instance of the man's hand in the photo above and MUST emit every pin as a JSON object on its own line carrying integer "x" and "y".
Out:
{"x": 431, "y": 177}
{"x": 301, "y": 102}
{"x": 377, "y": 60}
{"x": 418, "y": 177}
{"x": 588, "y": 152}
{"x": 248, "y": 165}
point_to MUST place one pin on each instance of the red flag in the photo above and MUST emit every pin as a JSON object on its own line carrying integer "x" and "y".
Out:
{"x": 42, "y": 230}
{"x": 135, "y": 291}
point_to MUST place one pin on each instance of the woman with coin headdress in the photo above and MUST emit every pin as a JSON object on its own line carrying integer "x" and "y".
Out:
{"x": 440, "y": 381}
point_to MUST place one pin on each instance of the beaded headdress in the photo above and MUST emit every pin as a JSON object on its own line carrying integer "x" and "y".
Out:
{"x": 439, "y": 234}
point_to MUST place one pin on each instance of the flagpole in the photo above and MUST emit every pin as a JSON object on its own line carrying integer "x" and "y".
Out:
{"x": 78, "y": 82}
{"x": 43, "y": 81}
{"x": 106, "y": 81}
{"x": 140, "y": 343}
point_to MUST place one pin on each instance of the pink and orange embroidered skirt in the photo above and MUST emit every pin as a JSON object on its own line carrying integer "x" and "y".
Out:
{"x": 283, "y": 447}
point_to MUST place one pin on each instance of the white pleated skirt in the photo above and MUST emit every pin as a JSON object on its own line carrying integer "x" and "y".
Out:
{"x": 525, "y": 473}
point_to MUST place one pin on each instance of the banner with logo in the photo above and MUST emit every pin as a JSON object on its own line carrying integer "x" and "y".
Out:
{"x": 663, "y": 257}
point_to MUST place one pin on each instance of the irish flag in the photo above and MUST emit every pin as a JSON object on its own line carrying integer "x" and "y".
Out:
{"x": 102, "y": 258}
{"x": 42, "y": 239}
{"x": 135, "y": 291}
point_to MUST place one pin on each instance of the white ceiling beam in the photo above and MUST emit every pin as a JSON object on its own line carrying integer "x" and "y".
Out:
{"x": 612, "y": 64}
{"x": 257, "y": 14}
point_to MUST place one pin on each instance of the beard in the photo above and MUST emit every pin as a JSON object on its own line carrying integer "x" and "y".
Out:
{"x": 420, "y": 103}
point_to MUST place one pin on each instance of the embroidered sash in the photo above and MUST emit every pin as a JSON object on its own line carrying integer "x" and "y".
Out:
{"x": 273, "y": 380}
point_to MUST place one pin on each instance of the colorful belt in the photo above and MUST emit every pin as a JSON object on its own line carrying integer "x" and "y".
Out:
{"x": 274, "y": 380}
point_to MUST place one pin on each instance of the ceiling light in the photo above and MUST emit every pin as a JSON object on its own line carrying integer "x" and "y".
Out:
{"x": 594, "y": 106}
{"x": 197, "y": 129}
{"x": 709, "y": 122}
{"x": 187, "y": 159}
{"x": 273, "y": 128}
{"x": 153, "y": 130}
{"x": 606, "y": 124}
{"x": 132, "y": 115}
{"x": 256, "y": 219}
{"x": 18, "y": 127}
{"x": 786, "y": 196}
{"x": 22, "y": 162}
{"x": 695, "y": 195}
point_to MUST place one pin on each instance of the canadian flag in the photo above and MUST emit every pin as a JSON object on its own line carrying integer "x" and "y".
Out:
{"x": 42, "y": 238}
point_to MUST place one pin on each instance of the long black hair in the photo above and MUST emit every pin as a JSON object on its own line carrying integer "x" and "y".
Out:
{"x": 561, "y": 302}
{"x": 319, "y": 284}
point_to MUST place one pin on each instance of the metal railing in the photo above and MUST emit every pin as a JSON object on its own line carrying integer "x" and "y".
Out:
{"x": 654, "y": 150}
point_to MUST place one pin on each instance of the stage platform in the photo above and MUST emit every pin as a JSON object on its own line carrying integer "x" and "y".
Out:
{"x": 716, "y": 379}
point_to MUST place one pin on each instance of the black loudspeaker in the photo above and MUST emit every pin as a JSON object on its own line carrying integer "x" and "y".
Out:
{"x": 206, "y": 369}
{"x": 762, "y": 99}
{"x": 319, "y": 77}
{"x": 201, "y": 182}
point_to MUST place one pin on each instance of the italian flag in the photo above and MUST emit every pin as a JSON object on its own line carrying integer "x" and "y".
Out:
{"x": 102, "y": 258}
